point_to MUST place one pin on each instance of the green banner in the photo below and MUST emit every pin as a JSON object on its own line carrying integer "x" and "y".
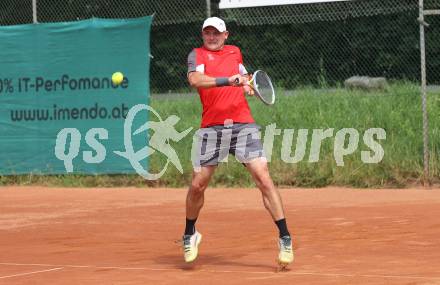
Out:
{"x": 60, "y": 112}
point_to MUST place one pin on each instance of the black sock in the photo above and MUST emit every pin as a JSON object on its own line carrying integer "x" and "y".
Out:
{"x": 190, "y": 228}
{"x": 282, "y": 227}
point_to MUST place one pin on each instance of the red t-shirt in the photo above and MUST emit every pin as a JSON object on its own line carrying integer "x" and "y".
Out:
{"x": 226, "y": 102}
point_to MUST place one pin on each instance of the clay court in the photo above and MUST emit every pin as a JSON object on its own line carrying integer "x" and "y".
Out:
{"x": 128, "y": 236}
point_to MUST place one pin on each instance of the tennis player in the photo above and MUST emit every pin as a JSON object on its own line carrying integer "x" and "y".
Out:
{"x": 218, "y": 73}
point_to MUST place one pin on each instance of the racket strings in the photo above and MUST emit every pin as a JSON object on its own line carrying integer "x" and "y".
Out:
{"x": 263, "y": 86}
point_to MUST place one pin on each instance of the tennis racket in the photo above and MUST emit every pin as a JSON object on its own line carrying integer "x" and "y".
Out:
{"x": 262, "y": 86}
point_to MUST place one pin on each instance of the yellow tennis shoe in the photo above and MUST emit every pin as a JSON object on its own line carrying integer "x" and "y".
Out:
{"x": 191, "y": 246}
{"x": 285, "y": 257}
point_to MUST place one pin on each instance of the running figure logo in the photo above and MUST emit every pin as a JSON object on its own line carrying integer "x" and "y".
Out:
{"x": 164, "y": 131}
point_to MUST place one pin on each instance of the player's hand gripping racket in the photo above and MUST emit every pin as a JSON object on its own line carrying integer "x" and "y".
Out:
{"x": 262, "y": 86}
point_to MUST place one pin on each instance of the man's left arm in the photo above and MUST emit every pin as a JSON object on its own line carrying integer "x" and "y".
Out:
{"x": 243, "y": 71}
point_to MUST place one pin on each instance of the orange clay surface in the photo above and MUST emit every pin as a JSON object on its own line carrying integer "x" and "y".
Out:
{"x": 128, "y": 236}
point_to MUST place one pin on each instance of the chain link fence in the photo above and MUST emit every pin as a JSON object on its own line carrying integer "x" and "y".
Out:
{"x": 324, "y": 44}
{"x": 309, "y": 44}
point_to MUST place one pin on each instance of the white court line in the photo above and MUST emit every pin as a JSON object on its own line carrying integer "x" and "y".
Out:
{"x": 29, "y": 273}
{"x": 231, "y": 271}
{"x": 92, "y": 266}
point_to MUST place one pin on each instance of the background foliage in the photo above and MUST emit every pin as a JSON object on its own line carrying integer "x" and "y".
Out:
{"x": 313, "y": 44}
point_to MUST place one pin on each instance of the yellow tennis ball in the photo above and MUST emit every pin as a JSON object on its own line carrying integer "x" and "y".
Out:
{"x": 117, "y": 78}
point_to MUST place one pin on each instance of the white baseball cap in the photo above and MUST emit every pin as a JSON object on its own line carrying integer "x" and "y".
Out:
{"x": 215, "y": 22}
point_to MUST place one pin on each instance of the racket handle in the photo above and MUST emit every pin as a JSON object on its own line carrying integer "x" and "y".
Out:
{"x": 236, "y": 81}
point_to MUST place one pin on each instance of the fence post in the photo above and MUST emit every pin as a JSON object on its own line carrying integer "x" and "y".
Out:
{"x": 208, "y": 8}
{"x": 34, "y": 11}
{"x": 422, "y": 22}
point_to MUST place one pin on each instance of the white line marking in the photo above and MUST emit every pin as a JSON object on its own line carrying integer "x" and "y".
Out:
{"x": 229, "y": 271}
{"x": 92, "y": 266}
{"x": 29, "y": 273}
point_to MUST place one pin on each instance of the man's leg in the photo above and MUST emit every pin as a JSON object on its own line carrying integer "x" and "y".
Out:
{"x": 194, "y": 203}
{"x": 273, "y": 203}
{"x": 196, "y": 191}
{"x": 271, "y": 197}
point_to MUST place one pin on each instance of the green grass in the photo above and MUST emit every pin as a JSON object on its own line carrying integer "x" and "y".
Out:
{"x": 396, "y": 110}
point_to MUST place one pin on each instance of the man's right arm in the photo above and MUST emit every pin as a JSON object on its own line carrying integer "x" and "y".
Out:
{"x": 199, "y": 80}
